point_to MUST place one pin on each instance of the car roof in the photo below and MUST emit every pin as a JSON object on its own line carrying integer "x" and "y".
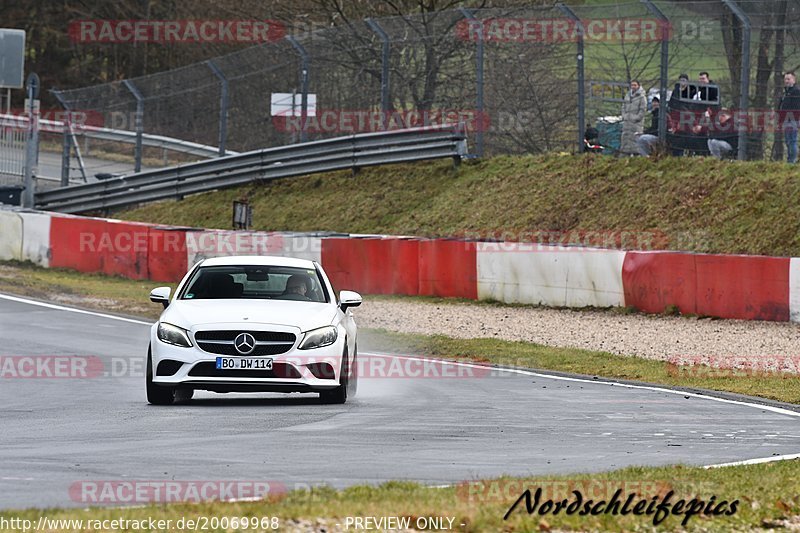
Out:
{"x": 258, "y": 260}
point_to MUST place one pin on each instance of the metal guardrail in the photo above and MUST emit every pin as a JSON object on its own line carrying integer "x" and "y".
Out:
{"x": 107, "y": 134}
{"x": 342, "y": 153}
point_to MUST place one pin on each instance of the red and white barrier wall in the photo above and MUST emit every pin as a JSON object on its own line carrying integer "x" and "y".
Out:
{"x": 550, "y": 275}
{"x": 728, "y": 286}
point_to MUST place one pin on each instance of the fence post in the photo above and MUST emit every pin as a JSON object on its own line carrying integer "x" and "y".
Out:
{"x": 32, "y": 140}
{"x": 662, "y": 93}
{"x": 479, "y": 51}
{"x": 303, "y": 86}
{"x": 67, "y": 140}
{"x": 744, "y": 97}
{"x": 137, "y": 155}
{"x": 223, "y": 105}
{"x": 385, "y": 50}
{"x": 579, "y": 60}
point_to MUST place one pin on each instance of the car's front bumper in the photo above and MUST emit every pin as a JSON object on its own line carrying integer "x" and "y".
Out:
{"x": 292, "y": 371}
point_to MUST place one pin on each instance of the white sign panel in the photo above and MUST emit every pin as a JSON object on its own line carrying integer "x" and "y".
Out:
{"x": 12, "y": 58}
{"x": 291, "y": 105}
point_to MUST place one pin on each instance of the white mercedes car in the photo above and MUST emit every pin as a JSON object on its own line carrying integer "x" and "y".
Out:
{"x": 253, "y": 324}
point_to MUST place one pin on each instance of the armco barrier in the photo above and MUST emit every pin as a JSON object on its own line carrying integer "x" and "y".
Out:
{"x": 201, "y": 244}
{"x": 794, "y": 289}
{"x": 69, "y": 236}
{"x": 36, "y": 238}
{"x": 10, "y": 236}
{"x": 98, "y": 245}
{"x": 739, "y": 286}
{"x": 726, "y": 286}
{"x": 448, "y": 268}
{"x": 550, "y": 275}
{"x": 655, "y": 280}
{"x": 125, "y": 248}
{"x": 373, "y": 265}
{"x": 167, "y": 258}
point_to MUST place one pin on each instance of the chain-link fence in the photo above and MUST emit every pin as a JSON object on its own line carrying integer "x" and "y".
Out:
{"x": 523, "y": 80}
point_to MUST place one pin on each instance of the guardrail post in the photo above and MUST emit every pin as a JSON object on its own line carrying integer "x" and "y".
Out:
{"x": 662, "y": 92}
{"x": 744, "y": 97}
{"x": 223, "y": 105}
{"x": 139, "y": 123}
{"x": 67, "y": 139}
{"x": 303, "y": 86}
{"x": 579, "y": 65}
{"x": 479, "y": 50}
{"x": 385, "y": 57}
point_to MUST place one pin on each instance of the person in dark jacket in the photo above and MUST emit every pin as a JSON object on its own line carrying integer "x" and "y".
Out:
{"x": 646, "y": 141}
{"x": 723, "y": 138}
{"x": 681, "y": 93}
{"x": 789, "y": 113}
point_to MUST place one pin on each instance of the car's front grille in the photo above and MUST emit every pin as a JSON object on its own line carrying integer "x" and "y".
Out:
{"x": 210, "y": 370}
{"x": 220, "y": 342}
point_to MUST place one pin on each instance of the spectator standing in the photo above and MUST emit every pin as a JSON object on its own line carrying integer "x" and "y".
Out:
{"x": 681, "y": 90}
{"x": 646, "y": 141}
{"x": 788, "y": 111}
{"x": 634, "y": 107}
{"x": 704, "y": 91}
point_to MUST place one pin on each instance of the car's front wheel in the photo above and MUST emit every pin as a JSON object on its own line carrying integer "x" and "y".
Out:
{"x": 339, "y": 394}
{"x": 156, "y": 394}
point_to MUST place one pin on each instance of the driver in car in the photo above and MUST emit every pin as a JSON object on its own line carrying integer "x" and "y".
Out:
{"x": 296, "y": 288}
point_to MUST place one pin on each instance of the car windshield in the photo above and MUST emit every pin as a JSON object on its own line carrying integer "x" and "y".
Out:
{"x": 255, "y": 282}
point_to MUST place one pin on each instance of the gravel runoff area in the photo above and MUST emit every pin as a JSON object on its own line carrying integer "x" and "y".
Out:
{"x": 683, "y": 340}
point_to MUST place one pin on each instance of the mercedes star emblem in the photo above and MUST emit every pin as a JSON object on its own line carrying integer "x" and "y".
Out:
{"x": 244, "y": 343}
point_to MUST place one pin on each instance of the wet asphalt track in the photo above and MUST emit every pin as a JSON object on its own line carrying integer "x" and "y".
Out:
{"x": 55, "y": 433}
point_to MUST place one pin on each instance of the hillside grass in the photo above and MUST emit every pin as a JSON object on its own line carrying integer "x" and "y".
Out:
{"x": 699, "y": 204}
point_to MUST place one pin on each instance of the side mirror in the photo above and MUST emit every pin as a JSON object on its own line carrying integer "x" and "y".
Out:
{"x": 349, "y": 299}
{"x": 160, "y": 295}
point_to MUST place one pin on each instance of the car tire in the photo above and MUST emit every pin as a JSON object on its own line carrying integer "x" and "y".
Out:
{"x": 339, "y": 394}
{"x": 156, "y": 394}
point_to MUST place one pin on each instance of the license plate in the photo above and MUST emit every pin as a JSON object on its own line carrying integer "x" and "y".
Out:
{"x": 243, "y": 363}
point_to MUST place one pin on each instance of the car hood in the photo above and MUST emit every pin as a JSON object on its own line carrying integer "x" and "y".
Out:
{"x": 303, "y": 315}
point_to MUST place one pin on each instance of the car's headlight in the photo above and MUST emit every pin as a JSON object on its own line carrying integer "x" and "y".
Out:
{"x": 173, "y": 335}
{"x": 318, "y": 338}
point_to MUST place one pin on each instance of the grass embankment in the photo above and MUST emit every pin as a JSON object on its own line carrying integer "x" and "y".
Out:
{"x": 766, "y": 497}
{"x": 698, "y": 204}
{"x": 131, "y": 297}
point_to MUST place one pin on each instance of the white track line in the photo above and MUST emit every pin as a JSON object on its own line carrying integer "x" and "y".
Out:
{"x": 758, "y": 461}
{"x": 778, "y": 410}
{"x": 71, "y": 309}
